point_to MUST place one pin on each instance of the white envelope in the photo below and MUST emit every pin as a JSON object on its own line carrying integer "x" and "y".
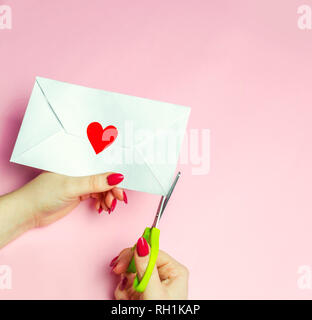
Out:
{"x": 53, "y": 135}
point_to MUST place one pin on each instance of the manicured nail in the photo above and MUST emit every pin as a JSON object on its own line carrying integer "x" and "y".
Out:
{"x": 109, "y": 210}
{"x": 100, "y": 209}
{"x": 114, "y": 265}
{"x": 113, "y": 206}
{"x": 142, "y": 247}
{"x": 114, "y": 178}
{"x": 113, "y": 261}
{"x": 125, "y": 199}
{"x": 123, "y": 284}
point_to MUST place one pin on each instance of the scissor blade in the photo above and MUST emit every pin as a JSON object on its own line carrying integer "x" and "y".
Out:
{"x": 170, "y": 193}
{"x": 158, "y": 213}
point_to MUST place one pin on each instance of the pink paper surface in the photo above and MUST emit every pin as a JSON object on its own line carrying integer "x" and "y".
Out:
{"x": 245, "y": 68}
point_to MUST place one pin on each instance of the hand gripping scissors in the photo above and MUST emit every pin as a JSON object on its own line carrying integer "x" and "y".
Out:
{"x": 151, "y": 235}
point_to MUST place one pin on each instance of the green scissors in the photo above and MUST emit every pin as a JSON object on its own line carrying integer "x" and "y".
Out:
{"x": 151, "y": 235}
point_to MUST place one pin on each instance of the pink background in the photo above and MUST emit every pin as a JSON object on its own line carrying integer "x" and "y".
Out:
{"x": 246, "y": 70}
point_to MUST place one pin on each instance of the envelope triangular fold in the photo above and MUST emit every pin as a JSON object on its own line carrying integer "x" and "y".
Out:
{"x": 39, "y": 123}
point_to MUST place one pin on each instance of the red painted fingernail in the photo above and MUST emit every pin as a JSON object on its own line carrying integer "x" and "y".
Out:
{"x": 113, "y": 206}
{"x": 114, "y": 178}
{"x": 123, "y": 283}
{"x": 114, "y": 266}
{"x": 125, "y": 199}
{"x": 142, "y": 247}
{"x": 113, "y": 261}
{"x": 100, "y": 209}
{"x": 109, "y": 210}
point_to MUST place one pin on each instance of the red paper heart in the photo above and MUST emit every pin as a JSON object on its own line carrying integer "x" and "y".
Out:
{"x": 101, "y": 138}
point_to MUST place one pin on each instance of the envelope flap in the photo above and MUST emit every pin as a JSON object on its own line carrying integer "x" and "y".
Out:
{"x": 77, "y": 106}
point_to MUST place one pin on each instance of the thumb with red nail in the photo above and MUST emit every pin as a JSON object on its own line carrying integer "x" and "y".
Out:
{"x": 141, "y": 258}
{"x": 169, "y": 279}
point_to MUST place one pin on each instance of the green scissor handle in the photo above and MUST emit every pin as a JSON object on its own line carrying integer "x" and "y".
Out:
{"x": 151, "y": 235}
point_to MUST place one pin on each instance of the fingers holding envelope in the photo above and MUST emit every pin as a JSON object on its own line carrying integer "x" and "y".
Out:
{"x": 103, "y": 188}
{"x": 107, "y": 201}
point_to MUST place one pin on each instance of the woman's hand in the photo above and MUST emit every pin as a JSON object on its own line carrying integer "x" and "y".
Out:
{"x": 51, "y": 196}
{"x": 169, "y": 279}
